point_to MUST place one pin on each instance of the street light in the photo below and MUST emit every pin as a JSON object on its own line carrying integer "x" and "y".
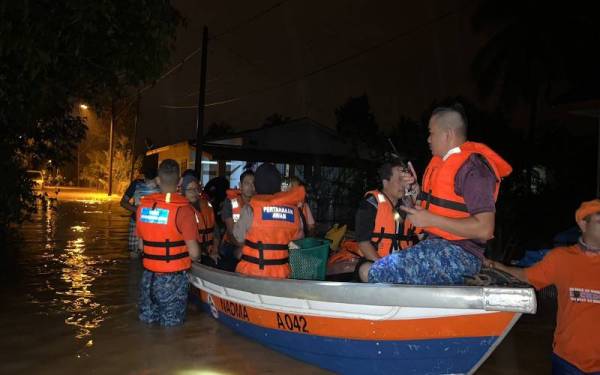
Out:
{"x": 83, "y": 106}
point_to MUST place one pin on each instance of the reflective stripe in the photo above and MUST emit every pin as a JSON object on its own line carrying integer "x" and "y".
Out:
{"x": 380, "y": 198}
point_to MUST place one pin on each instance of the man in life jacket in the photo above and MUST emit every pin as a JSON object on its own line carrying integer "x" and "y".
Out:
{"x": 575, "y": 271}
{"x": 456, "y": 211}
{"x": 230, "y": 250}
{"x": 267, "y": 224}
{"x": 208, "y": 235}
{"x": 167, "y": 230}
{"x": 379, "y": 224}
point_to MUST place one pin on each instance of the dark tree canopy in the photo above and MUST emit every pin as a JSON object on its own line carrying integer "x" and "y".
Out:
{"x": 54, "y": 53}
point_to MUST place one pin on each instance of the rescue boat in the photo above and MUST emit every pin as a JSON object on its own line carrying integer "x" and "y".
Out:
{"x": 353, "y": 328}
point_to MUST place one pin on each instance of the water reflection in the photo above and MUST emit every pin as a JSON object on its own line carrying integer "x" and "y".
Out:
{"x": 80, "y": 271}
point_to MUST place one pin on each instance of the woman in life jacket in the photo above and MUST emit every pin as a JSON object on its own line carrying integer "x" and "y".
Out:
{"x": 205, "y": 219}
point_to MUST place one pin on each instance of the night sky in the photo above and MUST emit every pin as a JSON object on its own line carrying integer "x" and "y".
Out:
{"x": 403, "y": 55}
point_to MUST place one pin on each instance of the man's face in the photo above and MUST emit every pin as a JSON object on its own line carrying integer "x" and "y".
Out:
{"x": 248, "y": 189}
{"x": 192, "y": 192}
{"x": 394, "y": 187}
{"x": 590, "y": 228}
{"x": 438, "y": 138}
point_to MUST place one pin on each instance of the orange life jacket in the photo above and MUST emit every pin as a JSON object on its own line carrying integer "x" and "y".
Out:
{"x": 164, "y": 247}
{"x": 235, "y": 196}
{"x": 237, "y": 203}
{"x": 437, "y": 192}
{"x": 390, "y": 231}
{"x": 206, "y": 224}
{"x": 275, "y": 222}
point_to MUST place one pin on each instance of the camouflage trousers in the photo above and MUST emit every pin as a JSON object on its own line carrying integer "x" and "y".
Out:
{"x": 430, "y": 262}
{"x": 163, "y": 298}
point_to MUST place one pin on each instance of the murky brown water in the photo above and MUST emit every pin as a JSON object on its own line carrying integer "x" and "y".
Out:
{"x": 69, "y": 293}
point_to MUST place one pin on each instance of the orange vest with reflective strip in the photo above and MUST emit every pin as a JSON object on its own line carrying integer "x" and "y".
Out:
{"x": 235, "y": 197}
{"x": 164, "y": 247}
{"x": 206, "y": 224}
{"x": 275, "y": 223}
{"x": 437, "y": 191}
{"x": 237, "y": 203}
{"x": 390, "y": 232}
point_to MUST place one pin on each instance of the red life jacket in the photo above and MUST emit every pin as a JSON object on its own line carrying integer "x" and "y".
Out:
{"x": 206, "y": 224}
{"x": 390, "y": 231}
{"x": 437, "y": 192}
{"x": 164, "y": 247}
{"x": 275, "y": 222}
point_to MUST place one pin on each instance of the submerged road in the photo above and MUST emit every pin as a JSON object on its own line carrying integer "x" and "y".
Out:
{"x": 69, "y": 293}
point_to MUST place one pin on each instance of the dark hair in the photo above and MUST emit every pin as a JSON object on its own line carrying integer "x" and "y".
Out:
{"x": 267, "y": 179}
{"x": 189, "y": 172}
{"x": 385, "y": 169}
{"x": 149, "y": 171}
{"x": 245, "y": 174}
{"x": 168, "y": 171}
{"x": 453, "y": 108}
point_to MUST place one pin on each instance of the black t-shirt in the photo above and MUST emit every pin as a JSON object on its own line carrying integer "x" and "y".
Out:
{"x": 365, "y": 218}
{"x": 364, "y": 221}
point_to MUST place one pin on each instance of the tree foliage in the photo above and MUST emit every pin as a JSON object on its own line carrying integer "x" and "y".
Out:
{"x": 53, "y": 53}
{"x": 95, "y": 173}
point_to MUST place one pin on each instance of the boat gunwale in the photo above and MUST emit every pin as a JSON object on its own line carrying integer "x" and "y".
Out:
{"x": 488, "y": 298}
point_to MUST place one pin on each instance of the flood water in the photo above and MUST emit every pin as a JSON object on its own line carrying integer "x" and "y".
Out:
{"x": 69, "y": 292}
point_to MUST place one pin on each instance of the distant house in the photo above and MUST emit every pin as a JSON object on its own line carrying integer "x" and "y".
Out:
{"x": 300, "y": 147}
{"x": 293, "y": 146}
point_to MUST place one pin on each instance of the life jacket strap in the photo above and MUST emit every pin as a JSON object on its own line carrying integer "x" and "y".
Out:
{"x": 261, "y": 247}
{"x": 206, "y": 230}
{"x": 440, "y": 202}
{"x": 265, "y": 262}
{"x": 167, "y": 245}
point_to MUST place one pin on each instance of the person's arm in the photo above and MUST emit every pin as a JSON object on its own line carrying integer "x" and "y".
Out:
{"x": 310, "y": 220}
{"x": 476, "y": 227}
{"x": 186, "y": 223}
{"x": 243, "y": 224}
{"x": 519, "y": 273}
{"x": 193, "y": 249}
{"x": 127, "y": 196}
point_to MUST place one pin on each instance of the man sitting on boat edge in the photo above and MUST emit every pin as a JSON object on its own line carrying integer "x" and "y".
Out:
{"x": 575, "y": 271}
{"x": 267, "y": 224}
{"x": 456, "y": 209}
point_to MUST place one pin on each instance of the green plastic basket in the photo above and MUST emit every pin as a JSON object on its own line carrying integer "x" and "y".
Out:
{"x": 309, "y": 262}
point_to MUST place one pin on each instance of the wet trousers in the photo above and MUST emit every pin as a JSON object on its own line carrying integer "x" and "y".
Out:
{"x": 163, "y": 298}
{"x": 430, "y": 262}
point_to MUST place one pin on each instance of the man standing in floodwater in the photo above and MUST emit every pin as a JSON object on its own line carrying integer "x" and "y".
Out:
{"x": 168, "y": 240}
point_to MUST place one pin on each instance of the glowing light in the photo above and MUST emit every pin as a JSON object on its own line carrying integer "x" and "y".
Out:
{"x": 200, "y": 372}
{"x": 83, "y": 106}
